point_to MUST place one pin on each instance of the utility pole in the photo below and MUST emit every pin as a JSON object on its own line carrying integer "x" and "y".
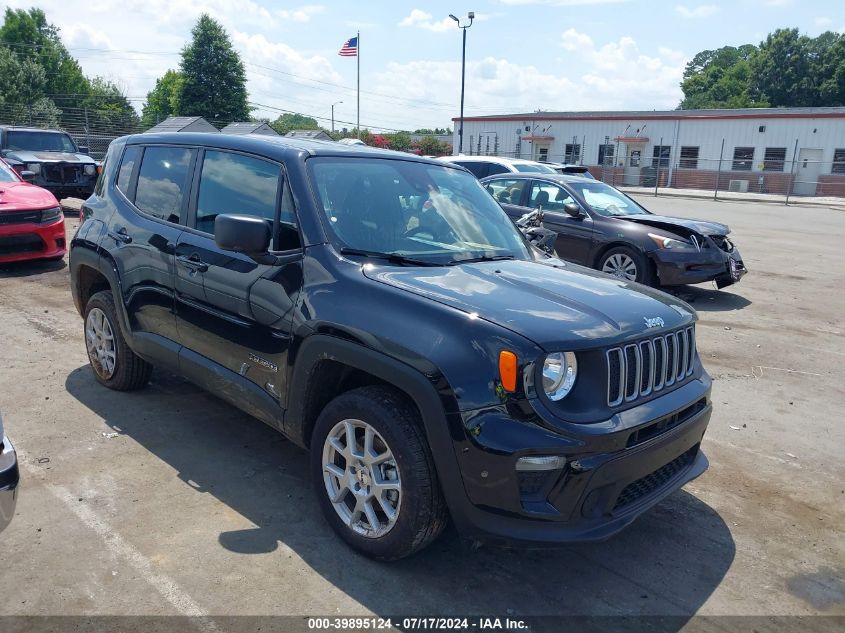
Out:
{"x": 333, "y": 105}
{"x": 471, "y": 16}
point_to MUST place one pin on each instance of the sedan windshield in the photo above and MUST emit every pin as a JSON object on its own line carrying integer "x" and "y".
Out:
{"x": 6, "y": 174}
{"x": 605, "y": 200}
{"x": 40, "y": 142}
{"x": 418, "y": 211}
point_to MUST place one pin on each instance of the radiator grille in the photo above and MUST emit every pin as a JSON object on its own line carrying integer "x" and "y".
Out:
{"x": 639, "y": 369}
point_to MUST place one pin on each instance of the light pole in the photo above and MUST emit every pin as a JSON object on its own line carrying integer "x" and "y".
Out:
{"x": 333, "y": 105}
{"x": 471, "y": 16}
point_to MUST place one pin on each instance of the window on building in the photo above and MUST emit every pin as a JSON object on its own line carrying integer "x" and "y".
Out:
{"x": 162, "y": 182}
{"x": 838, "y": 161}
{"x": 774, "y": 159}
{"x": 606, "y": 154}
{"x": 660, "y": 156}
{"x": 689, "y": 157}
{"x": 743, "y": 158}
{"x": 572, "y": 153}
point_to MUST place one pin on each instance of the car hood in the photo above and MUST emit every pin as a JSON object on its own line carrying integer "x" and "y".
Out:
{"x": 705, "y": 227}
{"x": 49, "y": 157}
{"x": 557, "y": 307}
{"x": 22, "y": 196}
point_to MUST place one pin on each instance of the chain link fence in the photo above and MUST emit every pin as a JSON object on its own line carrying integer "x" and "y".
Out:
{"x": 757, "y": 173}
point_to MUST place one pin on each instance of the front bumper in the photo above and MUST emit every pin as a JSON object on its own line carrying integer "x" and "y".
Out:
{"x": 20, "y": 242}
{"x": 608, "y": 481}
{"x": 9, "y": 479}
{"x": 676, "y": 268}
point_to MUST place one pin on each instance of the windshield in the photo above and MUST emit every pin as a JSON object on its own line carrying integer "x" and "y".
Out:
{"x": 6, "y": 174}
{"x": 534, "y": 168}
{"x": 40, "y": 142}
{"x": 605, "y": 200}
{"x": 426, "y": 212}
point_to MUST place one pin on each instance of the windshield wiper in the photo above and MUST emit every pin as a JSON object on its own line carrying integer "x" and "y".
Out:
{"x": 396, "y": 258}
{"x": 482, "y": 258}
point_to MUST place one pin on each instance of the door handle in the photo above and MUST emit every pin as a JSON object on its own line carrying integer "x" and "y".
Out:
{"x": 120, "y": 235}
{"x": 193, "y": 262}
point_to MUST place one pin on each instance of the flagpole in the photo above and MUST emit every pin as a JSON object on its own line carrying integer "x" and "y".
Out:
{"x": 358, "y": 122}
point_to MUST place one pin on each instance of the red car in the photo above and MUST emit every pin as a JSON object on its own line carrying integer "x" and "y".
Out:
{"x": 32, "y": 225}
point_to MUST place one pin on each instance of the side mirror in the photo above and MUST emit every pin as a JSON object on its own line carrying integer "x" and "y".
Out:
{"x": 242, "y": 233}
{"x": 83, "y": 149}
{"x": 28, "y": 176}
{"x": 572, "y": 209}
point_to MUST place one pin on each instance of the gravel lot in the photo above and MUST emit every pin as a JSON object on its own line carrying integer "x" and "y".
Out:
{"x": 168, "y": 501}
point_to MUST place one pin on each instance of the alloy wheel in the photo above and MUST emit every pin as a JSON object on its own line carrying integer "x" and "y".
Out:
{"x": 99, "y": 338}
{"x": 362, "y": 478}
{"x": 620, "y": 265}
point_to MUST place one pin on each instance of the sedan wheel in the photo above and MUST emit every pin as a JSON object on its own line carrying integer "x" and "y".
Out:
{"x": 620, "y": 265}
{"x": 361, "y": 478}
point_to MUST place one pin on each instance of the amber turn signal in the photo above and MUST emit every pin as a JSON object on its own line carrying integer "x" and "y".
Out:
{"x": 507, "y": 370}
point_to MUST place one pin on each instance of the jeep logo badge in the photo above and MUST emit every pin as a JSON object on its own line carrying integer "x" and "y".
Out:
{"x": 654, "y": 322}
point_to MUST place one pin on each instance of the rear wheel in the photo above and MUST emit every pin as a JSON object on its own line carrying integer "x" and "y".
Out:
{"x": 625, "y": 263}
{"x": 115, "y": 365}
{"x": 374, "y": 474}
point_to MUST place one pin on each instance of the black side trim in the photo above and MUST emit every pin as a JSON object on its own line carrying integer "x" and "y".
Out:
{"x": 229, "y": 386}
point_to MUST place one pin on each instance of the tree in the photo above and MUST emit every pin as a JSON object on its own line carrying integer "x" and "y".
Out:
{"x": 289, "y": 121}
{"x": 400, "y": 141}
{"x": 787, "y": 69}
{"x": 720, "y": 79}
{"x": 108, "y": 108}
{"x": 213, "y": 76}
{"x": 30, "y": 37}
{"x": 430, "y": 146}
{"x": 22, "y": 99}
{"x": 163, "y": 100}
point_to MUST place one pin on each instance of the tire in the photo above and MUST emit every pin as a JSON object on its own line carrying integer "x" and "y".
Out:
{"x": 114, "y": 364}
{"x": 416, "y": 498}
{"x": 630, "y": 264}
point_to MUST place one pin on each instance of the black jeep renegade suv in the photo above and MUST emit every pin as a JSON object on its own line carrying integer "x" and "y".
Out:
{"x": 382, "y": 311}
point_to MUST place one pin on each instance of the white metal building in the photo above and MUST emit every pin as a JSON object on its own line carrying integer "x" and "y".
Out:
{"x": 766, "y": 149}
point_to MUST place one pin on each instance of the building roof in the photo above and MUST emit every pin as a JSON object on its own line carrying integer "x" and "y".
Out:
{"x": 180, "y": 123}
{"x": 611, "y": 115}
{"x": 315, "y": 134}
{"x": 249, "y": 127}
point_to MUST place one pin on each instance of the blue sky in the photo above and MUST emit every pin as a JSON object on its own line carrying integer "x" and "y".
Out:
{"x": 521, "y": 54}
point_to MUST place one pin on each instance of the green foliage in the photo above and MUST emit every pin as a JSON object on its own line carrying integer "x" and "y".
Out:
{"x": 213, "y": 76}
{"x": 30, "y": 37}
{"x": 437, "y": 130}
{"x": 430, "y": 146}
{"x": 400, "y": 141}
{"x": 163, "y": 99}
{"x": 289, "y": 122}
{"x": 787, "y": 69}
{"x": 108, "y": 107}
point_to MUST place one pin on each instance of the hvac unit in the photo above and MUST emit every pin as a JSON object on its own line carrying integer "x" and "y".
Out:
{"x": 739, "y": 186}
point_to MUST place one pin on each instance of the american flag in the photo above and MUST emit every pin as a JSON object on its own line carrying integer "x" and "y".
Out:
{"x": 350, "y": 48}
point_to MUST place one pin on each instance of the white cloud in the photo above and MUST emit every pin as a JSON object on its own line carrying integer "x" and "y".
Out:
{"x": 301, "y": 14}
{"x": 823, "y": 22}
{"x": 420, "y": 19}
{"x": 701, "y": 11}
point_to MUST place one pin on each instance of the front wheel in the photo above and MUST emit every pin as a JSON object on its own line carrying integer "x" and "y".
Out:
{"x": 374, "y": 474}
{"x": 625, "y": 263}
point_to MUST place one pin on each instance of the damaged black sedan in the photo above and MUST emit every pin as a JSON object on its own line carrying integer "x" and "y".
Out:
{"x": 600, "y": 227}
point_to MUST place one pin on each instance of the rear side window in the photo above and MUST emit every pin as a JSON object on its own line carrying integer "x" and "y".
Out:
{"x": 162, "y": 182}
{"x": 234, "y": 183}
{"x": 127, "y": 165}
{"x": 478, "y": 168}
{"x": 497, "y": 169}
{"x": 506, "y": 190}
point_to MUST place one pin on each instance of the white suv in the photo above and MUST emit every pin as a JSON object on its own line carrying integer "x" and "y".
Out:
{"x": 483, "y": 166}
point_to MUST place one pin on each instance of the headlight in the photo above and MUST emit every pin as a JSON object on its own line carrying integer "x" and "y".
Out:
{"x": 671, "y": 243}
{"x": 559, "y": 372}
{"x": 49, "y": 215}
{"x": 89, "y": 170}
{"x": 35, "y": 168}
